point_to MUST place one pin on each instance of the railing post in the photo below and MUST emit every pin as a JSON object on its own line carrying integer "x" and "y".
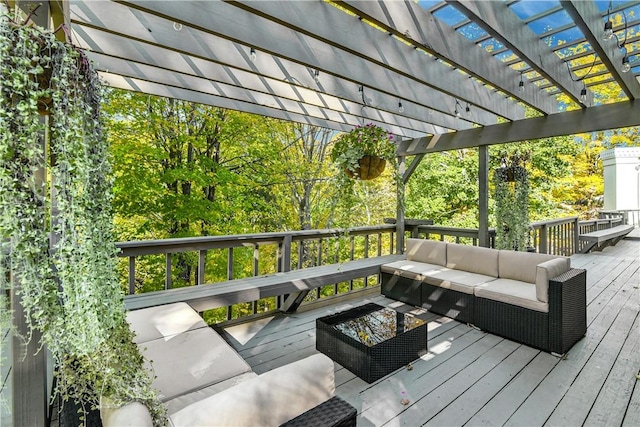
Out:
{"x": 576, "y": 235}
{"x": 202, "y": 257}
{"x": 167, "y": 272}
{"x": 400, "y": 207}
{"x": 544, "y": 239}
{"x": 285, "y": 257}
{"x": 483, "y": 196}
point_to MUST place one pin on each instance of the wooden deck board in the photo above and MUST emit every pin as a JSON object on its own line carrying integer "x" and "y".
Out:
{"x": 469, "y": 377}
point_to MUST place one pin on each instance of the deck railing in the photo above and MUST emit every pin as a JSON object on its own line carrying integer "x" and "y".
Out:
{"x": 629, "y": 216}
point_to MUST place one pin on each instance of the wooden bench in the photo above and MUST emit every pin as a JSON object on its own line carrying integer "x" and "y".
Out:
{"x": 598, "y": 240}
{"x": 296, "y": 284}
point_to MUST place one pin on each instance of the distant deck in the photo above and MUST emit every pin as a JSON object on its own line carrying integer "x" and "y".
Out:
{"x": 473, "y": 378}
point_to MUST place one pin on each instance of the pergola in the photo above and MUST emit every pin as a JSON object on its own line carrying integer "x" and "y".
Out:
{"x": 440, "y": 75}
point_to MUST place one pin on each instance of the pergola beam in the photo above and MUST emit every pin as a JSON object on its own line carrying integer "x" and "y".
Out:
{"x": 610, "y": 116}
{"x": 358, "y": 40}
{"x": 409, "y": 21}
{"x": 587, "y": 17}
{"x": 498, "y": 20}
{"x": 136, "y": 59}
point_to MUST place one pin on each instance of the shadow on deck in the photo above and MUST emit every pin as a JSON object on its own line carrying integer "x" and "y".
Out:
{"x": 470, "y": 377}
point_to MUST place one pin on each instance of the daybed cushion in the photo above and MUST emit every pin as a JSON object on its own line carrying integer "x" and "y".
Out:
{"x": 428, "y": 251}
{"x": 512, "y": 292}
{"x": 271, "y": 399}
{"x": 163, "y": 321}
{"x": 174, "y": 405}
{"x": 456, "y": 280}
{"x": 190, "y": 361}
{"x": 547, "y": 271}
{"x": 473, "y": 259}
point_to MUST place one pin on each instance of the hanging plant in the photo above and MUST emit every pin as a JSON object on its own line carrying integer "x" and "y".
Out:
{"x": 62, "y": 257}
{"x": 511, "y": 183}
{"x": 364, "y": 152}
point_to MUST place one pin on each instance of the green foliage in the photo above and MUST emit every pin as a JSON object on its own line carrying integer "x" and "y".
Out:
{"x": 367, "y": 140}
{"x": 511, "y": 193}
{"x": 67, "y": 285}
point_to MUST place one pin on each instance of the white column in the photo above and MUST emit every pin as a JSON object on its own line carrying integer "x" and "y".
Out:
{"x": 621, "y": 178}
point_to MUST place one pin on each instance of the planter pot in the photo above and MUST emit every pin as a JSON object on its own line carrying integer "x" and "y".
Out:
{"x": 370, "y": 167}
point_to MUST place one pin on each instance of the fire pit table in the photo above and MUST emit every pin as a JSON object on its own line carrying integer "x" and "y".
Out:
{"x": 371, "y": 341}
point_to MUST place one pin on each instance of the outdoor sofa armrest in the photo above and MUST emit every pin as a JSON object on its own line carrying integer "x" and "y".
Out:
{"x": 567, "y": 309}
{"x": 335, "y": 412}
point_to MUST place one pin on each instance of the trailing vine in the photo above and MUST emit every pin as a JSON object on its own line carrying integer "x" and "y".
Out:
{"x": 511, "y": 182}
{"x": 61, "y": 254}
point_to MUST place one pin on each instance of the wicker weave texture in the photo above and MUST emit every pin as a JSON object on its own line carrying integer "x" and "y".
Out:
{"x": 567, "y": 310}
{"x": 368, "y": 363}
{"x": 454, "y": 304}
{"x": 335, "y": 412}
{"x": 401, "y": 288}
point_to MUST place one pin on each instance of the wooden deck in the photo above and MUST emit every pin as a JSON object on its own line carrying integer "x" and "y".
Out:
{"x": 470, "y": 377}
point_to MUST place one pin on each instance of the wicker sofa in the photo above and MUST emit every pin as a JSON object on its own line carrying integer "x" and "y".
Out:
{"x": 203, "y": 381}
{"x": 535, "y": 299}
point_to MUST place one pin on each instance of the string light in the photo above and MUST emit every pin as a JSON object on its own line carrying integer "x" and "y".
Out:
{"x": 252, "y": 55}
{"x": 521, "y": 84}
{"x": 400, "y": 107}
{"x": 316, "y": 76}
{"x": 583, "y": 93}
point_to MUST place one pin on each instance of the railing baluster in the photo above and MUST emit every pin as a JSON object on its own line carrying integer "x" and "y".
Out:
{"x": 202, "y": 257}
{"x": 167, "y": 272}
{"x": 132, "y": 275}
{"x": 366, "y": 246}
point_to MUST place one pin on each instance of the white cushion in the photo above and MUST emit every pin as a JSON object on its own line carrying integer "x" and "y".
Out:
{"x": 190, "y": 361}
{"x": 163, "y": 321}
{"x": 521, "y": 265}
{"x": 271, "y": 399}
{"x": 174, "y": 405}
{"x": 546, "y": 271}
{"x": 456, "y": 280}
{"x": 429, "y": 251}
{"x": 474, "y": 259}
{"x": 133, "y": 414}
{"x": 512, "y": 292}
{"x": 411, "y": 269}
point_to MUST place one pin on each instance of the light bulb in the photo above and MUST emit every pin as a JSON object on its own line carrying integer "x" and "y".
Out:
{"x": 583, "y": 94}
{"x": 177, "y": 26}
{"x": 521, "y": 86}
{"x": 316, "y": 76}
{"x": 625, "y": 64}
{"x": 252, "y": 55}
{"x": 400, "y": 107}
{"x": 457, "y": 112}
{"x": 608, "y": 30}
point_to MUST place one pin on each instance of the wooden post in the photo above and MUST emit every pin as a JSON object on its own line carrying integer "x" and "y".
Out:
{"x": 483, "y": 196}
{"x": 400, "y": 207}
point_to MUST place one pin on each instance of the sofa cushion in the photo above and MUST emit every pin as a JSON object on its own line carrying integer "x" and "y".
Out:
{"x": 512, "y": 292}
{"x": 163, "y": 321}
{"x": 174, "y": 405}
{"x": 456, "y": 280}
{"x": 429, "y": 251}
{"x": 521, "y": 265}
{"x": 473, "y": 259}
{"x": 411, "y": 269}
{"x": 546, "y": 271}
{"x": 270, "y": 399}
{"x": 190, "y": 361}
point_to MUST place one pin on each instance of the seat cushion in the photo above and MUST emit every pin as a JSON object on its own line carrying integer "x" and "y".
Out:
{"x": 190, "y": 361}
{"x": 457, "y": 280}
{"x": 473, "y": 259}
{"x": 411, "y": 269}
{"x": 270, "y": 399}
{"x": 428, "y": 251}
{"x": 512, "y": 292}
{"x": 163, "y": 321}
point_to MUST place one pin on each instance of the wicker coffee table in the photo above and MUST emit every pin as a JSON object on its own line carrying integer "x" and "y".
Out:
{"x": 371, "y": 341}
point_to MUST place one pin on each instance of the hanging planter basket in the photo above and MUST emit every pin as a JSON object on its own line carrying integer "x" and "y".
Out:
{"x": 369, "y": 167}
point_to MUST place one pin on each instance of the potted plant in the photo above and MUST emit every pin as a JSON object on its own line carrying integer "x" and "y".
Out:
{"x": 61, "y": 254}
{"x": 364, "y": 152}
{"x": 511, "y": 186}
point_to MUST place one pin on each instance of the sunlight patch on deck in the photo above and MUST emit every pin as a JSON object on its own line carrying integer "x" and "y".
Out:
{"x": 244, "y": 332}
